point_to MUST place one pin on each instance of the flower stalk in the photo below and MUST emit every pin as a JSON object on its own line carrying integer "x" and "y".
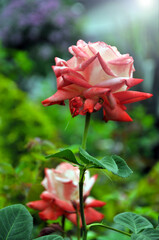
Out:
{"x": 81, "y": 182}
{"x": 82, "y": 174}
{"x": 87, "y": 121}
{"x": 78, "y": 225}
{"x": 108, "y": 227}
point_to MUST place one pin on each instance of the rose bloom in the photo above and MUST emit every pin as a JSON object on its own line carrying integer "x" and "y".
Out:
{"x": 61, "y": 195}
{"x": 97, "y": 76}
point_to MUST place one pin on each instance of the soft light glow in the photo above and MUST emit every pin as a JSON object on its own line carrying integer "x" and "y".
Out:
{"x": 146, "y": 3}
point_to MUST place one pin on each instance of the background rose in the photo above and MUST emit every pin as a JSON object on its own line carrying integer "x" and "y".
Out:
{"x": 96, "y": 76}
{"x": 61, "y": 195}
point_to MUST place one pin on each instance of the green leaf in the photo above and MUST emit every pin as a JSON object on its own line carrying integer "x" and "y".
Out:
{"x": 157, "y": 227}
{"x": 124, "y": 170}
{"x": 112, "y": 163}
{"x": 50, "y": 237}
{"x": 15, "y": 223}
{"x": 109, "y": 164}
{"x": 88, "y": 159}
{"x": 65, "y": 154}
{"x": 139, "y": 237}
{"x": 133, "y": 221}
{"x": 147, "y": 234}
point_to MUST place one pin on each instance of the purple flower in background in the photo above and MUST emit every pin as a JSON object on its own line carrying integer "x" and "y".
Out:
{"x": 26, "y": 23}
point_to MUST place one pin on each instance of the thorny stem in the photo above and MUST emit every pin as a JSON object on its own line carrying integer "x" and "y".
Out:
{"x": 110, "y": 228}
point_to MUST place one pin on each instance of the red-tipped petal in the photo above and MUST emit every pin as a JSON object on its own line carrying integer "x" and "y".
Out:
{"x": 66, "y": 206}
{"x": 60, "y": 96}
{"x": 89, "y": 105}
{"x": 51, "y": 213}
{"x": 78, "y": 51}
{"x": 60, "y": 62}
{"x": 47, "y": 196}
{"x": 95, "y": 92}
{"x": 61, "y": 82}
{"x": 116, "y": 114}
{"x": 81, "y": 43}
{"x": 78, "y": 81}
{"x": 123, "y": 59}
{"x": 90, "y": 202}
{"x": 38, "y": 205}
{"x": 133, "y": 81}
{"x": 73, "y": 218}
{"x": 126, "y": 97}
{"x": 85, "y": 64}
{"x": 112, "y": 100}
{"x": 114, "y": 84}
{"x": 60, "y": 71}
{"x": 105, "y": 67}
{"x": 92, "y": 215}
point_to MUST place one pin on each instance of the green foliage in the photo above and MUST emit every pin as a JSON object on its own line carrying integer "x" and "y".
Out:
{"x": 15, "y": 223}
{"x": 21, "y": 120}
{"x": 23, "y": 127}
{"x": 15, "y": 64}
{"x": 132, "y": 221}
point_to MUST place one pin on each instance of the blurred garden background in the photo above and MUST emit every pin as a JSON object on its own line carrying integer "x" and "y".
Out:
{"x": 32, "y": 34}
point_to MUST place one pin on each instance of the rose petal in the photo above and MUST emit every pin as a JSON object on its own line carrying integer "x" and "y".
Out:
{"x": 51, "y": 182}
{"x": 38, "y": 205}
{"x": 60, "y": 96}
{"x": 90, "y": 202}
{"x": 95, "y": 92}
{"x": 131, "y": 96}
{"x": 51, "y": 213}
{"x": 116, "y": 114}
{"x": 78, "y": 51}
{"x": 91, "y": 215}
{"x": 77, "y": 81}
{"x": 105, "y": 66}
{"x": 89, "y": 105}
{"x": 89, "y": 184}
{"x": 60, "y": 62}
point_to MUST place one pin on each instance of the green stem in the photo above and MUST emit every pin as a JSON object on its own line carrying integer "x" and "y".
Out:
{"x": 87, "y": 121}
{"x": 84, "y": 226}
{"x": 78, "y": 225}
{"x": 110, "y": 228}
{"x": 81, "y": 182}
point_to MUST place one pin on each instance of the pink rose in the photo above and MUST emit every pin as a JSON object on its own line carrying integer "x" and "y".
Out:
{"x": 97, "y": 76}
{"x": 61, "y": 195}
